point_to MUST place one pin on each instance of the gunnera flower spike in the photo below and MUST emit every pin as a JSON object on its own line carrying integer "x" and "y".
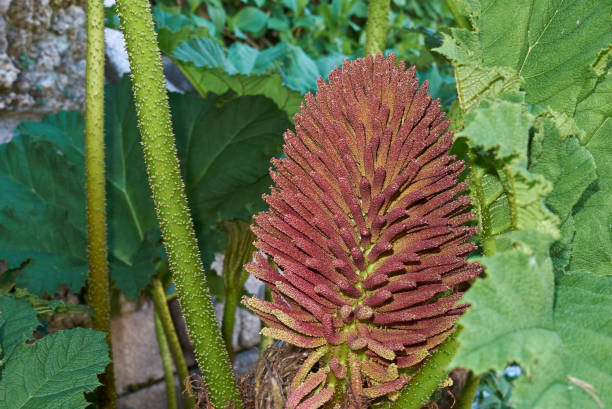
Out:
{"x": 366, "y": 226}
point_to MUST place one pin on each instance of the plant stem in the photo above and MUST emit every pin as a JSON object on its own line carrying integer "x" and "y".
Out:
{"x": 227, "y": 323}
{"x": 164, "y": 353}
{"x": 376, "y": 27}
{"x": 238, "y": 251}
{"x": 171, "y": 202}
{"x": 162, "y": 312}
{"x": 98, "y": 290}
{"x": 460, "y": 19}
{"x": 469, "y": 392}
{"x": 429, "y": 377}
{"x": 265, "y": 341}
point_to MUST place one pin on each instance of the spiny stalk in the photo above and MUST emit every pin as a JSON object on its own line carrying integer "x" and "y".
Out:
{"x": 170, "y": 200}
{"x": 98, "y": 286}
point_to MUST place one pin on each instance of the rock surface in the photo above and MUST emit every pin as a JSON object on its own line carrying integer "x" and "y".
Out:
{"x": 10, "y": 120}
{"x": 42, "y": 55}
{"x": 136, "y": 355}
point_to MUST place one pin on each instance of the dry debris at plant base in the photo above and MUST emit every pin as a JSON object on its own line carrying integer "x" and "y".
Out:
{"x": 274, "y": 374}
{"x": 267, "y": 386}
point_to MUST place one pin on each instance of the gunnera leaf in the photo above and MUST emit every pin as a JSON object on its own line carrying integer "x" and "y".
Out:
{"x": 366, "y": 226}
{"x": 54, "y": 372}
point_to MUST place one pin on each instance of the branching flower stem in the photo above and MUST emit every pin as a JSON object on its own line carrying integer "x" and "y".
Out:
{"x": 162, "y": 313}
{"x": 376, "y": 27}
{"x": 98, "y": 291}
{"x": 170, "y": 199}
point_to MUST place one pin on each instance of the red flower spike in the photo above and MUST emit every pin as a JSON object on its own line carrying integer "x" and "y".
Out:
{"x": 366, "y": 224}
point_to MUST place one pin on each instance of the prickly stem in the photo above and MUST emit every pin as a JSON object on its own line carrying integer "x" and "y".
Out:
{"x": 98, "y": 291}
{"x": 429, "y": 377}
{"x": 164, "y": 353}
{"x": 162, "y": 312}
{"x": 151, "y": 101}
{"x": 376, "y": 26}
{"x": 238, "y": 251}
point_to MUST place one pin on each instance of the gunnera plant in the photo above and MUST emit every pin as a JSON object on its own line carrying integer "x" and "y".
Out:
{"x": 365, "y": 231}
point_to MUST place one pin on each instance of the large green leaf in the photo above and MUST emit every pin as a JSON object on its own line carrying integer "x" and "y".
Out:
{"x": 557, "y": 154}
{"x": 593, "y": 240}
{"x": 563, "y": 161}
{"x": 554, "y": 325}
{"x": 243, "y": 71}
{"x": 55, "y": 371}
{"x": 578, "y": 372}
{"x": 250, "y": 19}
{"x": 225, "y": 153}
{"x": 502, "y": 126}
{"x": 225, "y": 156}
{"x": 511, "y": 315}
{"x": 507, "y": 195}
{"x": 42, "y": 218}
{"x": 548, "y": 45}
{"x": 42, "y": 214}
{"x": 475, "y": 81}
{"x": 17, "y": 323}
{"x": 131, "y": 215}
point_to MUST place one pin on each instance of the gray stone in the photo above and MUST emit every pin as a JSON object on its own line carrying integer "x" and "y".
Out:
{"x": 246, "y": 361}
{"x": 8, "y": 72}
{"x": 246, "y": 325}
{"x": 253, "y": 285}
{"x": 250, "y": 325}
{"x": 136, "y": 355}
{"x": 175, "y": 76}
{"x": 150, "y": 397}
{"x": 9, "y": 121}
{"x": 4, "y": 6}
{"x": 42, "y": 55}
{"x": 115, "y": 52}
{"x": 3, "y": 39}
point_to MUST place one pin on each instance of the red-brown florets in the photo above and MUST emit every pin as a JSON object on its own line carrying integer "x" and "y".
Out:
{"x": 367, "y": 231}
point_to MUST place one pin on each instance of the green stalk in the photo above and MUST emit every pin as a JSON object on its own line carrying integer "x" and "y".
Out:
{"x": 171, "y": 202}
{"x": 460, "y": 19}
{"x": 469, "y": 392}
{"x": 162, "y": 312}
{"x": 429, "y": 377}
{"x": 238, "y": 251}
{"x": 265, "y": 341}
{"x": 376, "y": 27}
{"x": 98, "y": 289}
{"x": 164, "y": 352}
{"x": 227, "y": 323}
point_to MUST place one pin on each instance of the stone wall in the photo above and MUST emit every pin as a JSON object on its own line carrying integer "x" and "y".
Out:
{"x": 42, "y": 55}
